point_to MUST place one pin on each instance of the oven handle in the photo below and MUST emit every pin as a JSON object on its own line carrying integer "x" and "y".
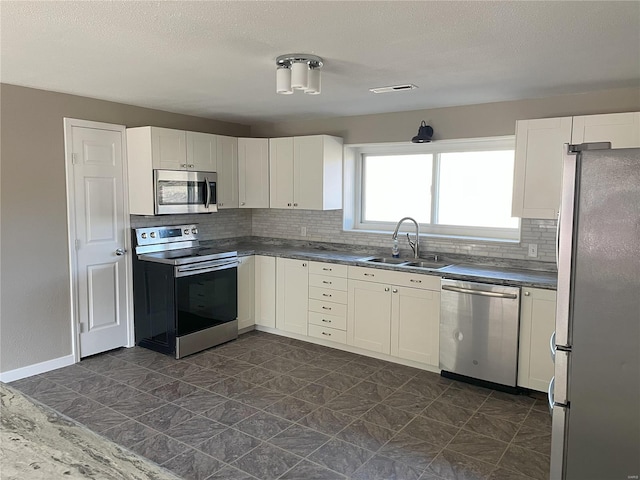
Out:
{"x": 207, "y": 200}
{"x": 187, "y": 270}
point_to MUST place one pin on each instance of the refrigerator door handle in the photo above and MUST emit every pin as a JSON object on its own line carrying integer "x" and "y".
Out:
{"x": 550, "y": 395}
{"x": 552, "y": 346}
{"x": 561, "y": 378}
{"x": 565, "y": 246}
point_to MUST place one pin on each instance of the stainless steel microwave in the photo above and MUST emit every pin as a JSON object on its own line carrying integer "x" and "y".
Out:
{"x": 178, "y": 191}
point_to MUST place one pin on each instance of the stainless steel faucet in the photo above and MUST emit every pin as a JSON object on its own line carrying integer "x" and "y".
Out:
{"x": 415, "y": 246}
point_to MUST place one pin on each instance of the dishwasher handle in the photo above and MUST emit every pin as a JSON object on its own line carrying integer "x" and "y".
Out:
{"x": 482, "y": 293}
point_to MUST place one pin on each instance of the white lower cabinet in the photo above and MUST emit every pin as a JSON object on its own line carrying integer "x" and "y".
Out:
{"x": 415, "y": 324}
{"x": 369, "y": 316}
{"x": 246, "y": 282}
{"x": 537, "y": 323}
{"x": 292, "y": 295}
{"x": 265, "y": 291}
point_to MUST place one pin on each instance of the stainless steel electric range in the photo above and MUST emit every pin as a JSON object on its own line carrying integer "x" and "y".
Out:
{"x": 185, "y": 295}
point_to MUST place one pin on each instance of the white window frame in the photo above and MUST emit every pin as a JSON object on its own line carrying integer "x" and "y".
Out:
{"x": 353, "y": 207}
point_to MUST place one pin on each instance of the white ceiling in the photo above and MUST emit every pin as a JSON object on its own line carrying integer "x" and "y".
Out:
{"x": 216, "y": 59}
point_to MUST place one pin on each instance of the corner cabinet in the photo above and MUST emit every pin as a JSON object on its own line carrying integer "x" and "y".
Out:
{"x": 227, "y": 150}
{"x": 292, "y": 295}
{"x": 537, "y": 181}
{"x": 537, "y": 324}
{"x": 306, "y": 172}
{"x": 253, "y": 172}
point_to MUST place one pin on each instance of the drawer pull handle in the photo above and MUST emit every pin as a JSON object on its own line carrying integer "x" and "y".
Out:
{"x": 369, "y": 274}
{"x": 326, "y": 321}
{"x": 327, "y": 295}
{"x": 327, "y": 334}
{"x": 416, "y": 281}
{"x": 328, "y": 283}
{"x": 327, "y": 269}
{"x": 326, "y": 308}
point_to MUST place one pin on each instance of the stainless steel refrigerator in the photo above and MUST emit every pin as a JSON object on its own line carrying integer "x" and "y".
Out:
{"x": 595, "y": 394}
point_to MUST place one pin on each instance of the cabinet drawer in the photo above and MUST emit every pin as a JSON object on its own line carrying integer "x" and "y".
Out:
{"x": 330, "y": 308}
{"x": 327, "y": 321}
{"x": 331, "y": 334}
{"x": 328, "y": 295}
{"x": 415, "y": 280}
{"x": 331, "y": 269}
{"x": 370, "y": 274}
{"x": 325, "y": 281}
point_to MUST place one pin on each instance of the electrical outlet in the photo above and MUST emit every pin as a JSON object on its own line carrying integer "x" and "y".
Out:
{"x": 533, "y": 250}
{"x": 303, "y": 231}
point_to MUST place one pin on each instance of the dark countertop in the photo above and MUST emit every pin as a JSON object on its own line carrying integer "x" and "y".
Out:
{"x": 462, "y": 267}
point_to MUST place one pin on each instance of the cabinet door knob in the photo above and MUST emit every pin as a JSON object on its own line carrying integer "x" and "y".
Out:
{"x": 295, "y": 204}
{"x": 386, "y": 289}
{"x": 220, "y": 204}
{"x": 526, "y": 294}
{"x": 241, "y": 203}
{"x": 288, "y": 204}
{"x": 304, "y": 264}
{"x": 395, "y": 290}
{"x": 191, "y": 165}
{"x": 183, "y": 165}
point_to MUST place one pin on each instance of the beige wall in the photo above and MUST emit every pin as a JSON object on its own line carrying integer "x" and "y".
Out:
{"x": 471, "y": 121}
{"x": 35, "y": 313}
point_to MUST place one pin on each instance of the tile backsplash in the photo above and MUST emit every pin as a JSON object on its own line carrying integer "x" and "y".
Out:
{"x": 326, "y": 226}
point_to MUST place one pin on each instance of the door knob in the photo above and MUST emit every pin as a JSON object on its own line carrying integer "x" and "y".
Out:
{"x": 120, "y": 251}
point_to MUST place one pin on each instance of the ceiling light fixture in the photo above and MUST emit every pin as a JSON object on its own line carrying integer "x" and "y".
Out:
{"x": 298, "y": 71}
{"x": 425, "y": 132}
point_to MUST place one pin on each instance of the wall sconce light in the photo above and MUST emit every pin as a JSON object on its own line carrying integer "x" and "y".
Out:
{"x": 298, "y": 71}
{"x": 425, "y": 132}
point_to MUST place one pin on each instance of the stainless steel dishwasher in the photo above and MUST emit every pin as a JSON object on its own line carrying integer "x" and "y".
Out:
{"x": 479, "y": 331}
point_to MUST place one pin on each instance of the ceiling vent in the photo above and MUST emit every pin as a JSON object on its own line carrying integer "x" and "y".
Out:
{"x": 393, "y": 88}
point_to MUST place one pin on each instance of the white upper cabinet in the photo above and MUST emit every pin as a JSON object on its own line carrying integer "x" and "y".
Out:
{"x": 168, "y": 148}
{"x": 253, "y": 172}
{"x": 537, "y": 181}
{"x": 306, "y": 172}
{"x": 621, "y": 129}
{"x": 201, "y": 152}
{"x": 227, "y": 187}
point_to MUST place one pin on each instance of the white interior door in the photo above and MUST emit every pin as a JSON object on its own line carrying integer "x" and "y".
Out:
{"x": 99, "y": 232}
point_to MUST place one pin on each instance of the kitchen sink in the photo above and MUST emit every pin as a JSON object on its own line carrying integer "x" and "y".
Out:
{"x": 385, "y": 260}
{"x": 426, "y": 264}
{"x": 433, "y": 264}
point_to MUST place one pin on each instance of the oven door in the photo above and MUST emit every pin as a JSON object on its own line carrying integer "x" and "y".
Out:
{"x": 206, "y": 296}
{"x": 184, "y": 192}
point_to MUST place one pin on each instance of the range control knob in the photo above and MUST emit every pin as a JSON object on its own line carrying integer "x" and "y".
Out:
{"x": 194, "y": 230}
{"x": 144, "y": 235}
{"x": 186, "y": 231}
{"x": 152, "y": 234}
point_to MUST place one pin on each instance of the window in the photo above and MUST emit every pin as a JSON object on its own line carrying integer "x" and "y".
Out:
{"x": 452, "y": 188}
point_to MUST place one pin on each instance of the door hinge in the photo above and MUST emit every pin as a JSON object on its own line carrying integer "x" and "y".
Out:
{"x": 81, "y": 328}
{"x": 77, "y": 244}
{"x": 74, "y": 158}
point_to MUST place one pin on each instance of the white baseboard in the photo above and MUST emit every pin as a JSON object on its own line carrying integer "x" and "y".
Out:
{"x": 36, "y": 368}
{"x": 349, "y": 348}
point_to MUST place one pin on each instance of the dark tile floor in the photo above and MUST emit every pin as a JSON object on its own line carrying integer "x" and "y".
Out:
{"x": 270, "y": 407}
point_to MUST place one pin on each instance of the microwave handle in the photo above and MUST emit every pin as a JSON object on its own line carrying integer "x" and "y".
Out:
{"x": 207, "y": 200}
